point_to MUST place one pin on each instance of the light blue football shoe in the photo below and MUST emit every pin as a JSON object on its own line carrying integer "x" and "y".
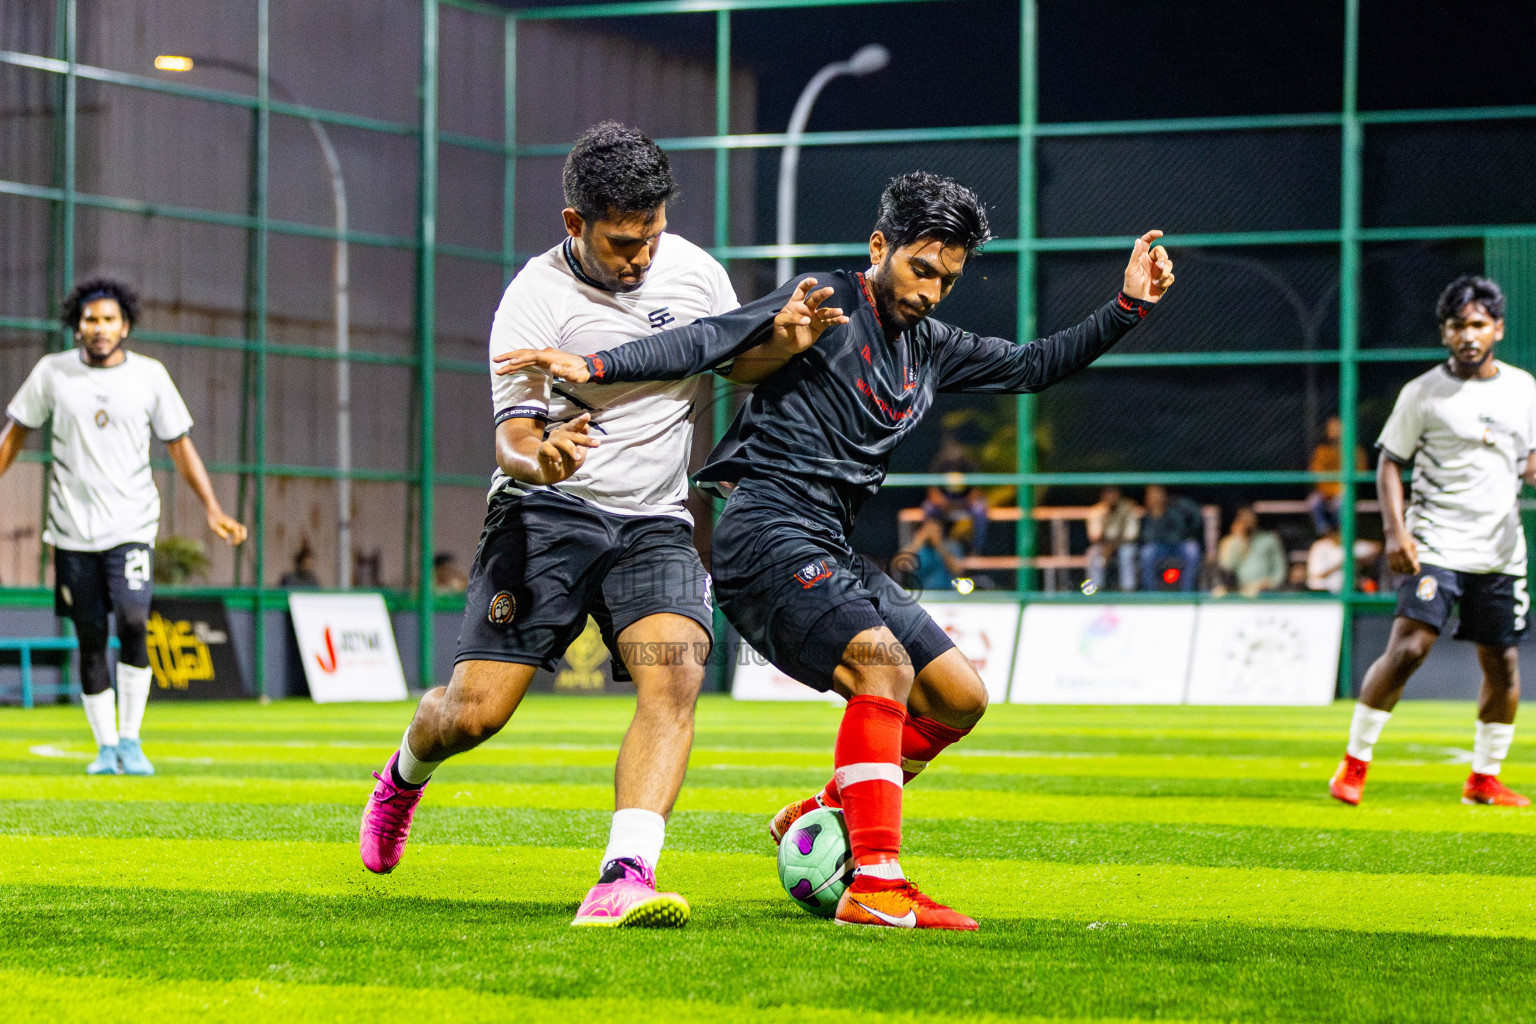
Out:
{"x": 106, "y": 762}
{"x": 132, "y": 758}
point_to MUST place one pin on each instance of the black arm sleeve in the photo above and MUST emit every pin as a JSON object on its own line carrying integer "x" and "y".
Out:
{"x": 686, "y": 351}
{"x": 976, "y": 365}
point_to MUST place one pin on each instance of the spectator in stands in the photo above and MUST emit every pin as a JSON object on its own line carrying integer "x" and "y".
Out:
{"x": 447, "y": 577}
{"x": 932, "y": 560}
{"x": 955, "y": 501}
{"x": 1170, "y": 533}
{"x": 1323, "y": 502}
{"x": 1325, "y": 563}
{"x": 1250, "y": 560}
{"x": 302, "y": 575}
{"x": 1112, "y": 529}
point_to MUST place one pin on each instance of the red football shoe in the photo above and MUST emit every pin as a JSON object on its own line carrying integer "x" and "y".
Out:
{"x": 1348, "y": 783}
{"x": 899, "y": 907}
{"x": 1487, "y": 789}
{"x": 790, "y": 813}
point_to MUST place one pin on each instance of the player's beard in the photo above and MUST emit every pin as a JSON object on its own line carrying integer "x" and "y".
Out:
{"x": 601, "y": 274}
{"x": 92, "y": 359}
{"x": 892, "y": 316}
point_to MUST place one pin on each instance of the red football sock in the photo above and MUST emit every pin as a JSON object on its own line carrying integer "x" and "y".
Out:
{"x": 922, "y": 740}
{"x": 868, "y": 775}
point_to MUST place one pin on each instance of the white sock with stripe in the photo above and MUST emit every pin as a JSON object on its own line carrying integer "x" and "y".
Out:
{"x": 1365, "y": 729}
{"x": 132, "y": 697}
{"x": 101, "y": 713}
{"x": 1490, "y": 746}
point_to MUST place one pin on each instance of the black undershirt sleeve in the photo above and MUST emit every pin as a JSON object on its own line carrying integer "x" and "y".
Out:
{"x": 972, "y": 364}
{"x": 686, "y": 351}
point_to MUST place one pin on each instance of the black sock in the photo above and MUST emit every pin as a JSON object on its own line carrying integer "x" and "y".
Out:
{"x": 400, "y": 783}
{"x": 614, "y": 869}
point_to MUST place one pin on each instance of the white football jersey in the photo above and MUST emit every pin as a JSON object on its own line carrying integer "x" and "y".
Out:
{"x": 1468, "y": 441}
{"x": 645, "y": 430}
{"x": 102, "y": 493}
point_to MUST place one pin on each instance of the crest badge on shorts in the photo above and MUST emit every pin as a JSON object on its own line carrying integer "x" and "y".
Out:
{"x": 1428, "y": 588}
{"x": 503, "y": 607}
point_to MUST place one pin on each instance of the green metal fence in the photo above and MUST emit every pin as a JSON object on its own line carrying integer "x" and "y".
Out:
{"x": 1349, "y": 121}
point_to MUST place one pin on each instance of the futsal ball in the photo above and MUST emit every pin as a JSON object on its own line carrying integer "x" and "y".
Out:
{"x": 816, "y": 862}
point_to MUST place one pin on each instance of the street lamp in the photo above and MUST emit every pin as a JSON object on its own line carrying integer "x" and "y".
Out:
{"x": 865, "y": 61}
{"x": 340, "y": 285}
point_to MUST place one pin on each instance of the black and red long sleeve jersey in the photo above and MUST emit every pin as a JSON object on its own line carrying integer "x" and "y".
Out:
{"x": 829, "y": 419}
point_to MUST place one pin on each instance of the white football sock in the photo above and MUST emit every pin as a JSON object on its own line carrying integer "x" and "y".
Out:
{"x": 132, "y": 695}
{"x": 636, "y": 833}
{"x": 411, "y": 768}
{"x": 1490, "y": 746}
{"x": 1365, "y": 729}
{"x": 101, "y": 713}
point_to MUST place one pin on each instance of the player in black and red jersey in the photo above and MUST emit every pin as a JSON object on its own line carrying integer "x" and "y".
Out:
{"x": 809, "y": 447}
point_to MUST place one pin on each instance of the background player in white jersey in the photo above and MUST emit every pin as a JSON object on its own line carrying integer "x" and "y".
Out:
{"x": 586, "y": 514}
{"x": 1469, "y": 428}
{"x": 103, "y": 508}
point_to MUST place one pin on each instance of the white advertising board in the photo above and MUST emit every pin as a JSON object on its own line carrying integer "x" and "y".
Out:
{"x": 348, "y": 647}
{"x": 1271, "y": 653}
{"x": 756, "y": 679}
{"x": 1103, "y": 654}
{"x": 985, "y": 633}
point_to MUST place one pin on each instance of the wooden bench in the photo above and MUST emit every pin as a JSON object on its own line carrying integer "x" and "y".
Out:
{"x": 26, "y": 645}
{"x": 1061, "y": 558}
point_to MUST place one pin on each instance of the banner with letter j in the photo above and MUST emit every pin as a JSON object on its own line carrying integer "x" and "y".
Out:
{"x": 348, "y": 647}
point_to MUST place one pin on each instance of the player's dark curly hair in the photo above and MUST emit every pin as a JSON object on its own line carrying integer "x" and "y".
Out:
{"x": 1470, "y": 288}
{"x": 922, "y": 204}
{"x": 99, "y": 288}
{"x": 616, "y": 169}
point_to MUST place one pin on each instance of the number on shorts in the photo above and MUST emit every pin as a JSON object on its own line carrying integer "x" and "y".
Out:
{"x": 1522, "y": 603}
{"x": 136, "y": 568}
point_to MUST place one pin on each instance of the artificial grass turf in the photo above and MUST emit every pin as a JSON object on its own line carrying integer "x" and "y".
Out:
{"x": 1194, "y": 875}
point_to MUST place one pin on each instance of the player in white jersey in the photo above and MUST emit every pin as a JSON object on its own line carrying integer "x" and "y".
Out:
{"x": 586, "y": 515}
{"x": 1469, "y": 428}
{"x": 103, "y": 509}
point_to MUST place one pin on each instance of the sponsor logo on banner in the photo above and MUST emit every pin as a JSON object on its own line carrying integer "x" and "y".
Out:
{"x": 190, "y": 655}
{"x": 985, "y": 633}
{"x": 347, "y": 646}
{"x": 587, "y": 667}
{"x": 1103, "y": 654}
{"x": 1267, "y": 653}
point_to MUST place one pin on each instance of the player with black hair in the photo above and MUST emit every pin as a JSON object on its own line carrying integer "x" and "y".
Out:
{"x": 103, "y": 508}
{"x": 586, "y": 516}
{"x": 809, "y": 447}
{"x": 1468, "y": 426}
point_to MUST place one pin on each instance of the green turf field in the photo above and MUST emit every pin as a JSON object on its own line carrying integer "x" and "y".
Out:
{"x": 1173, "y": 863}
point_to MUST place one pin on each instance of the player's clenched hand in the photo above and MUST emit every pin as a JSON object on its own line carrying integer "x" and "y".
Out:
{"x": 1402, "y": 555}
{"x": 804, "y": 318}
{"x": 565, "y": 449}
{"x": 228, "y": 529}
{"x": 565, "y": 365}
{"x": 1150, "y": 272}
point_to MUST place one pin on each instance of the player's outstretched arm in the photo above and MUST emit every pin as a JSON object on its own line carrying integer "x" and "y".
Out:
{"x": 796, "y": 328}
{"x": 1402, "y": 549}
{"x": 524, "y": 451}
{"x": 190, "y": 466}
{"x": 976, "y": 365}
{"x": 671, "y": 355}
{"x": 12, "y": 438}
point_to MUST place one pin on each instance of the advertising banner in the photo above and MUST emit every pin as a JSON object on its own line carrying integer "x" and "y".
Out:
{"x": 347, "y": 646}
{"x": 1103, "y": 654}
{"x": 986, "y": 634}
{"x": 756, "y": 679}
{"x": 587, "y": 668}
{"x": 1267, "y": 653}
{"x": 189, "y": 651}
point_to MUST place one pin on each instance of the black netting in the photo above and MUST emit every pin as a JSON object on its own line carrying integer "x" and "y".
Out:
{"x": 1470, "y": 173}
{"x": 1242, "y": 299}
{"x": 1187, "y": 182}
{"x": 1399, "y": 283}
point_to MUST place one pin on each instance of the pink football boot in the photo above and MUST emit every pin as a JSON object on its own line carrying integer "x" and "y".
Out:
{"x": 387, "y": 821}
{"x": 626, "y": 897}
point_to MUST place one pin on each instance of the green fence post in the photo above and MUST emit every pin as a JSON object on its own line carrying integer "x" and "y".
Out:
{"x": 1349, "y": 332}
{"x": 1024, "y": 408}
{"x": 509, "y": 144}
{"x": 721, "y": 413}
{"x": 426, "y": 292}
{"x": 259, "y": 517}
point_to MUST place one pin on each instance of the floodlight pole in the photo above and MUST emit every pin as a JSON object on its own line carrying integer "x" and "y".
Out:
{"x": 865, "y": 61}
{"x": 341, "y": 301}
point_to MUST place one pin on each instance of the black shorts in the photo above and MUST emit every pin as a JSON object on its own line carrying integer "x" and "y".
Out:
{"x": 546, "y": 561}
{"x": 87, "y": 585}
{"x": 797, "y": 593}
{"x": 1494, "y": 605}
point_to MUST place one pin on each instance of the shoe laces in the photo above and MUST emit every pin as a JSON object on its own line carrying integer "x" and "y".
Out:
{"x": 394, "y": 822}
{"x": 914, "y": 894}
